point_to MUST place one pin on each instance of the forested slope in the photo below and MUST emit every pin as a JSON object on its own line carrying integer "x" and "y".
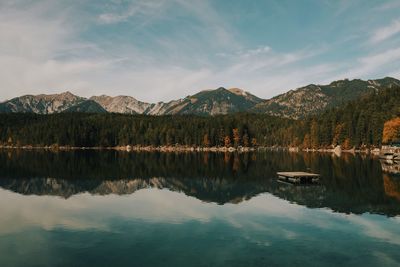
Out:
{"x": 359, "y": 123}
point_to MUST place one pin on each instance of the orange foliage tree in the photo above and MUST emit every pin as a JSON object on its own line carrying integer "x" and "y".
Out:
{"x": 254, "y": 142}
{"x": 236, "y": 137}
{"x": 338, "y": 131}
{"x": 227, "y": 141}
{"x": 391, "y": 131}
{"x": 307, "y": 141}
{"x": 206, "y": 140}
{"x": 346, "y": 144}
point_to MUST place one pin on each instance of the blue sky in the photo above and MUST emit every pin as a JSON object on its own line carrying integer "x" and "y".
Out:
{"x": 158, "y": 50}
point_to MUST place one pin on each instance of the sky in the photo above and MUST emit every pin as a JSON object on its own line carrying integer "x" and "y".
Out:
{"x": 159, "y": 50}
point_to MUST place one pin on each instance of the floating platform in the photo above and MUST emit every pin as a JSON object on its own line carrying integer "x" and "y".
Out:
{"x": 298, "y": 177}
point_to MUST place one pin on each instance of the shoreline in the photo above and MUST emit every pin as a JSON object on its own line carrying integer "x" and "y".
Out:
{"x": 178, "y": 148}
{"x": 137, "y": 148}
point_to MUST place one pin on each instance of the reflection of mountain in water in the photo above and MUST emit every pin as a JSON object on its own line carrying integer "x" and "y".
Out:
{"x": 350, "y": 183}
{"x": 216, "y": 190}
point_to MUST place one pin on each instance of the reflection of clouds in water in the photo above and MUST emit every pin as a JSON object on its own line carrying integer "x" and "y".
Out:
{"x": 386, "y": 259}
{"x": 154, "y": 205}
{"x": 20, "y": 212}
{"x": 263, "y": 214}
{"x": 85, "y": 211}
{"x": 371, "y": 226}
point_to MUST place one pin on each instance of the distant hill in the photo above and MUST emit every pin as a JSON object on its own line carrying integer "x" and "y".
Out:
{"x": 311, "y": 99}
{"x": 121, "y": 104}
{"x": 87, "y": 106}
{"x": 207, "y": 102}
{"x": 41, "y": 104}
{"x": 214, "y": 102}
{"x": 296, "y": 104}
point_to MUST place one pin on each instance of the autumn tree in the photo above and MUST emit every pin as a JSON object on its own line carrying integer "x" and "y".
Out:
{"x": 236, "y": 137}
{"x": 206, "y": 140}
{"x": 346, "y": 144}
{"x": 307, "y": 141}
{"x": 254, "y": 141}
{"x": 227, "y": 141}
{"x": 314, "y": 138}
{"x": 391, "y": 131}
{"x": 338, "y": 131}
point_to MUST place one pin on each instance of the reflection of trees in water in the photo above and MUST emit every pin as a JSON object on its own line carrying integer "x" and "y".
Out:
{"x": 349, "y": 183}
{"x": 392, "y": 186}
{"x": 117, "y": 165}
{"x": 391, "y": 166}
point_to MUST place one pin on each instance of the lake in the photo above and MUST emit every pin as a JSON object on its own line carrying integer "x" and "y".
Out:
{"x": 109, "y": 208}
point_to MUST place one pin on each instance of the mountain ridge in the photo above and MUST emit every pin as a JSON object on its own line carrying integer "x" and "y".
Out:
{"x": 311, "y": 99}
{"x": 296, "y": 103}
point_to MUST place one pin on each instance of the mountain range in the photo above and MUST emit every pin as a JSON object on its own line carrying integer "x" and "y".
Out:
{"x": 295, "y": 104}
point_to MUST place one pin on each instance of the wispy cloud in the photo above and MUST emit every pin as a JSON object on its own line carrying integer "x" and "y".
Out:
{"x": 121, "y": 13}
{"x": 389, "y": 5}
{"x": 246, "y": 53}
{"x": 42, "y": 52}
{"x": 385, "y": 32}
{"x": 159, "y": 50}
{"x": 368, "y": 66}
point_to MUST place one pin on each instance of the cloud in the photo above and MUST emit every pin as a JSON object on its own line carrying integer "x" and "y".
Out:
{"x": 366, "y": 66}
{"x": 46, "y": 54}
{"x": 386, "y": 32}
{"x": 375, "y": 228}
{"x": 161, "y": 50}
{"x": 80, "y": 211}
{"x": 124, "y": 13}
{"x": 389, "y": 5}
{"x": 42, "y": 53}
{"x": 246, "y": 53}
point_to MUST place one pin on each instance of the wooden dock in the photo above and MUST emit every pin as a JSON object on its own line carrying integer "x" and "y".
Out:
{"x": 298, "y": 177}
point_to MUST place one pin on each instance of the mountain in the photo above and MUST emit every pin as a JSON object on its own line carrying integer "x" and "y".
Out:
{"x": 214, "y": 102}
{"x": 207, "y": 102}
{"x": 41, "y": 104}
{"x": 87, "y": 106}
{"x": 311, "y": 99}
{"x": 121, "y": 104}
{"x": 295, "y": 104}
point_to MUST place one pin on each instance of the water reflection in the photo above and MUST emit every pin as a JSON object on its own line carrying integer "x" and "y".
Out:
{"x": 391, "y": 166}
{"x": 350, "y": 184}
{"x": 149, "y": 209}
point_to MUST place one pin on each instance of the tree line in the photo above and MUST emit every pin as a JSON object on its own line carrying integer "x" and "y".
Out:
{"x": 108, "y": 130}
{"x": 357, "y": 124}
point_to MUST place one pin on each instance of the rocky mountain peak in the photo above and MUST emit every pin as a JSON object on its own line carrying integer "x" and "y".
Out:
{"x": 297, "y": 103}
{"x": 238, "y": 91}
{"x": 311, "y": 99}
{"x": 121, "y": 104}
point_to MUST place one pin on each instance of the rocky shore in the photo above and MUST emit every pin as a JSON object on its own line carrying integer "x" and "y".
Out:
{"x": 178, "y": 148}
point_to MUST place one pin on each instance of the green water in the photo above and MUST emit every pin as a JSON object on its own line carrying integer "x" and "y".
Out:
{"x": 112, "y": 208}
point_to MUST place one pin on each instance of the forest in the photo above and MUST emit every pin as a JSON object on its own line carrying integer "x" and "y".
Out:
{"x": 357, "y": 124}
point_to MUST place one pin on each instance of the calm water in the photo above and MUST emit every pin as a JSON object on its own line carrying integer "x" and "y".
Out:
{"x": 148, "y": 209}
